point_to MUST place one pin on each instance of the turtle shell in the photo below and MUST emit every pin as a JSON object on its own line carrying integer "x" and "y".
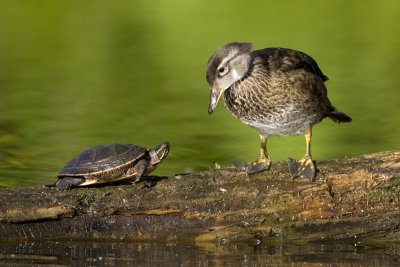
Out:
{"x": 104, "y": 160}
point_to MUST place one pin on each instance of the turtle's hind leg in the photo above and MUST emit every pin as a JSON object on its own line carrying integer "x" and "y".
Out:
{"x": 66, "y": 183}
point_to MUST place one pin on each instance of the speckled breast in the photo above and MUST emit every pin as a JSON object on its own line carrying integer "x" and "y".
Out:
{"x": 277, "y": 103}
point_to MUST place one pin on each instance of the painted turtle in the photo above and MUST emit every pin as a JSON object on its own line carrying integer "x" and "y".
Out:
{"x": 110, "y": 163}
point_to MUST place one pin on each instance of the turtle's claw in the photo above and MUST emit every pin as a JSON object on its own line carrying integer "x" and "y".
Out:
{"x": 304, "y": 168}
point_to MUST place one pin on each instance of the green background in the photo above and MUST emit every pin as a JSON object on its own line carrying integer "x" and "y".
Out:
{"x": 75, "y": 74}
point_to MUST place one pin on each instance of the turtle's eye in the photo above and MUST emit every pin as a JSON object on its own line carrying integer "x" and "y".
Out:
{"x": 222, "y": 71}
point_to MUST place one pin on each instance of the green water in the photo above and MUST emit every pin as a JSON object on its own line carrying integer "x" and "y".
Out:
{"x": 75, "y": 74}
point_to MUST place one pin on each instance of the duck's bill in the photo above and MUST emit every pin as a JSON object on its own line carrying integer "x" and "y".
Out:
{"x": 216, "y": 94}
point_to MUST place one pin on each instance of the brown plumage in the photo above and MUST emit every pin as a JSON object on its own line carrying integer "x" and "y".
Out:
{"x": 277, "y": 91}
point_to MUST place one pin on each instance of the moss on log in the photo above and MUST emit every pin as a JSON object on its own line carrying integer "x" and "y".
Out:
{"x": 352, "y": 198}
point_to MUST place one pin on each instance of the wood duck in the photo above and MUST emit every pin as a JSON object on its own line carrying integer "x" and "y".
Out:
{"x": 277, "y": 91}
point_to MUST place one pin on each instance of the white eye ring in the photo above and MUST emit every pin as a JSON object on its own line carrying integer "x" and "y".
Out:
{"x": 222, "y": 71}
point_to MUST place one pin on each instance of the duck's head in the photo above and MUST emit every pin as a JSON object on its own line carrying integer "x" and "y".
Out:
{"x": 229, "y": 64}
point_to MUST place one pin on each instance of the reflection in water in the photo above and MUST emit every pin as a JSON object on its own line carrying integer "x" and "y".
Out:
{"x": 181, "y": 254}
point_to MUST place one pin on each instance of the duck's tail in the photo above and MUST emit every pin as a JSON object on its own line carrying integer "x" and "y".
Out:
{"x": 338, "y": 116}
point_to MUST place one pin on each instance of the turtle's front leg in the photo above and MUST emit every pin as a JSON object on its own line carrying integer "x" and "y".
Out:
{"x": 140, "y": 168}
{"x": 306, "y": 166}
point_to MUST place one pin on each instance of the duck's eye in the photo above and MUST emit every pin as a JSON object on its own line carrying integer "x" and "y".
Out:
{"x": 222, "y": 71}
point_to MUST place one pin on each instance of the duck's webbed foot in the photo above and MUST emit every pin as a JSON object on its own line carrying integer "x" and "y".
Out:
{"x": 261, "y": 164}
{"x": 303, "y": 168}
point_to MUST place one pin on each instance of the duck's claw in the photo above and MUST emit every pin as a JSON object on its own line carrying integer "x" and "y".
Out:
{"x": 303, "y": 168}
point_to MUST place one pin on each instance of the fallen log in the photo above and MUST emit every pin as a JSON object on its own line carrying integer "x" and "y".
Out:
{"x": 354, "y": 198}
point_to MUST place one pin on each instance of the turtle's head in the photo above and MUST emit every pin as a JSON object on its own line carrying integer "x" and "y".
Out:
{"x": 229, "y": 64}
{"x": 158, "y": 153}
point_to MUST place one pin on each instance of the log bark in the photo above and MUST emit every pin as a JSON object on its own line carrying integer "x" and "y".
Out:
{"x": 355, "y": 198}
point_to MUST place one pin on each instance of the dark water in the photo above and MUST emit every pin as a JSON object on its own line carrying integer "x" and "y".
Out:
{"x": 75, "y": 74}
{"x": 155, "y": 254}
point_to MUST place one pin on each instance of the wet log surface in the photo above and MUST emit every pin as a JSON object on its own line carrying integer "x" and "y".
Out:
{"x": 353, "y": 198}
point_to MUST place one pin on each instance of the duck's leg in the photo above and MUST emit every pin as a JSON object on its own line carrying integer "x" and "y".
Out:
{"x": 263, "y": 162}
{"x": 306, "y": 166}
